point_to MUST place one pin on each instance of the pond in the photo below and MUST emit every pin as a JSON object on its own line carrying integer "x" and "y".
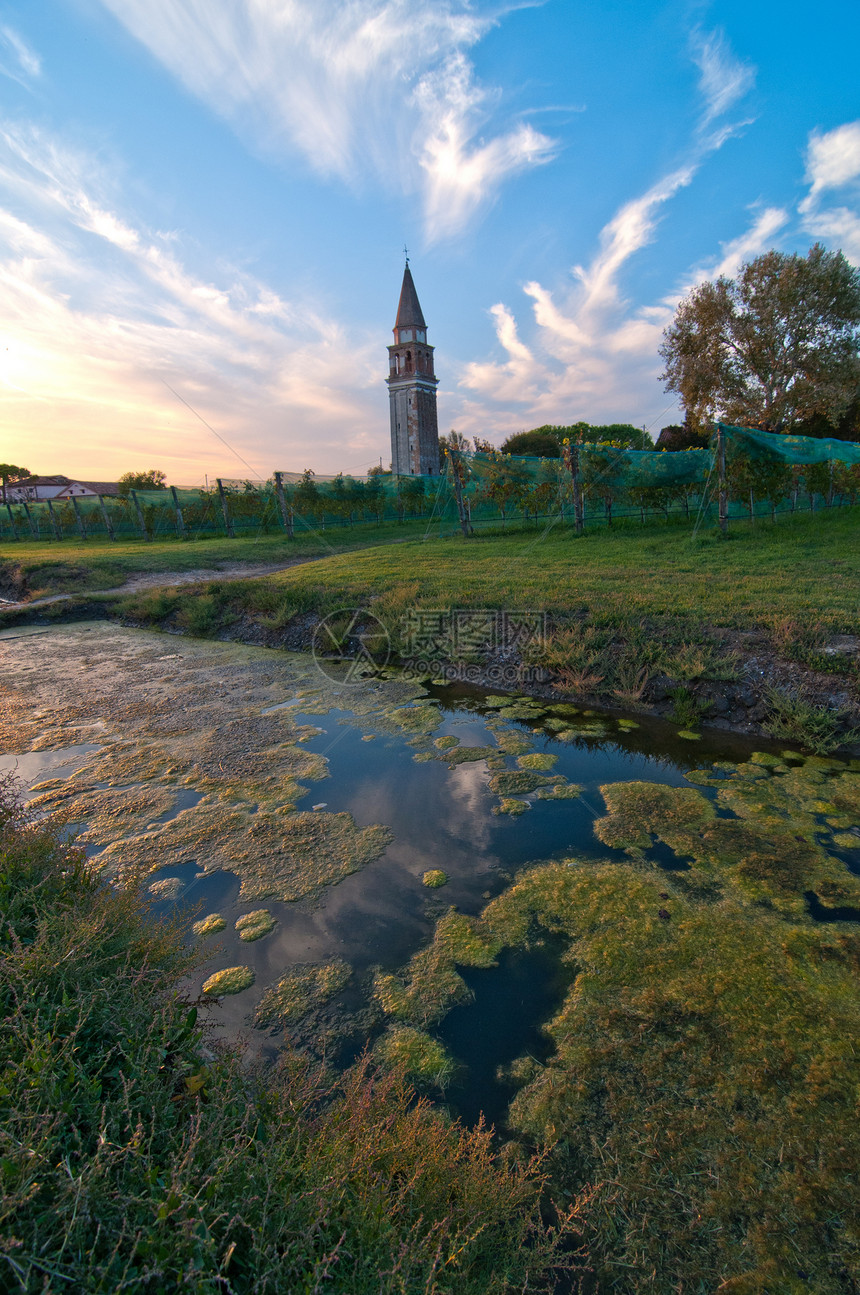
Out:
{"x": 241, "y": 781}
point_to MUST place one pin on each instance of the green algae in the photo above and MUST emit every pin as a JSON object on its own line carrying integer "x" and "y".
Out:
{"x": 688, "y": 735}
{"x": 537, "y": 760}
{"x": 703, "y": 1064}
{"x": 167, "y": 888}
{"x": 768, "y": 853}
{"x": 421, "y": 1058}
{"x": 511, "y": 805}
{"x": 253, "y": 926}
{"x": 416, "y": 719}
{"x": 466, "y": 755}
{"x": 639, "y": 809}
{"x": 518, "y": 782}
{"x": 445, "y": 743}
{"x": 430, "y": 983}
{"x": 434, "y": 878}
{"x": 232, "y": 980}
{"x": 302, "y": 990}
{"x": 560, "y": 791}
{"x": 208, "y": 925}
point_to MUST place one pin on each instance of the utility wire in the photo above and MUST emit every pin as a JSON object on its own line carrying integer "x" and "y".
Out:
{"x": 212, "y": 430}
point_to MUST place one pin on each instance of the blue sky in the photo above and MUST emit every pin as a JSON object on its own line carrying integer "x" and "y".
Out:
{"x": 206, "y": 201}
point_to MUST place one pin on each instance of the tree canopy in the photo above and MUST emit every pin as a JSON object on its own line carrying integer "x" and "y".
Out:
{"x": 9, "y": 472}
{"x": 778, "y": 346}
{"x": 546, "y": 441}
{"x": 154, "y": 479}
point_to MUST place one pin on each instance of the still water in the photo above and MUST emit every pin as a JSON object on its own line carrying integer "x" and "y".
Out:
{"x": 105, "y": 719}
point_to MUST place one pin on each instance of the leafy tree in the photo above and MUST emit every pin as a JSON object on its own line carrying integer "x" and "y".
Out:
{"x": 9, "y": 472}
{"x": 773, "y": 347}
{"x": 154, "y": 479}
{"x": 540, "y": 443}
{"x": 683, "y": 436}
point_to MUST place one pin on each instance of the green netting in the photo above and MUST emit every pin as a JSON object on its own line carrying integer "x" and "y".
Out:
{"x": 766, "y": 473}
{"x": 783, "y": 448}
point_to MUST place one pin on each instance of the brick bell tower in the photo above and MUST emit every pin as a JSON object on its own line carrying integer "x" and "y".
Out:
{"x": 412, "y": 390}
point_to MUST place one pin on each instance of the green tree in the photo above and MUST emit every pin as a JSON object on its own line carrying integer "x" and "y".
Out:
{"x": 540, "y": 443}
{"x": 778, "y": 345}
{"x": 9, "y": 472}
{"x": 154, "y": 479}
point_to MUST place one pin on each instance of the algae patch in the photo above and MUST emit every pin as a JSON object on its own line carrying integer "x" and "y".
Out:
{"x": 436, "y": 877}
{"x": 253, "y": 926}
{"x": 208, "y": 925}
{"x": 302, "y": 990}
{"x": 232, "y": 980}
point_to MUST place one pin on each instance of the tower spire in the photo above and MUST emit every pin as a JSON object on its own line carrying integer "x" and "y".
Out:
{"x": 412, "y": 388}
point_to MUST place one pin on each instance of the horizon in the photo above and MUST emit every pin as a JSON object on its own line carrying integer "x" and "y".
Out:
{"x": 202, "y": 256}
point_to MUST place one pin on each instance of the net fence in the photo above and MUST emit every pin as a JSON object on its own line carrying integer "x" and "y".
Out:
{"x": 766, "y": 474}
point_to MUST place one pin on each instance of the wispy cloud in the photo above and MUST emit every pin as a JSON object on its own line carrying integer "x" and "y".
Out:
{"x": 17, "y": 60}
{"x": 592, "y": 354}
{"x": 724, "y": 79}
{"x": 374, "y": 85}
{"x": 833, "y": 163}
{"x": 100, "y": 313}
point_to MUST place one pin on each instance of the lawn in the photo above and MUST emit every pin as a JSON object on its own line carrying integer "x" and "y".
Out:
{"x": 74, "y": 566}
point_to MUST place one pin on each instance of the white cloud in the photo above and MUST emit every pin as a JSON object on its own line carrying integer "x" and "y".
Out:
{"x": 17, "y": 60}
{"x": 833, "y": 162}
{"x": 832, "y": 159}
{"x": 99, "y": 314}
{"x": 374, "y": 85}
{"x": 757, "y": 239}
{"x": 723, "y": 78}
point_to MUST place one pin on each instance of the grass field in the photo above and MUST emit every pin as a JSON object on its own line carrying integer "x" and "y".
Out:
{"x": 627, "y": 607}
{"x": 77, "y": 567}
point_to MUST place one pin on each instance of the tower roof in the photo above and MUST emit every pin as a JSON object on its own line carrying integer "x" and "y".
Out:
{"x": 409, "y": 308}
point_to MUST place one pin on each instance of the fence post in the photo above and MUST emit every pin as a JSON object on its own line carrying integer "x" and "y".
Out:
{"x": 140, "y": 517}
{"x": 54, "y": 522}
{"x": 11, "y": 520}
{"x": 286, "y": 514}
{"x": 180, "y": 520}
{"x": 107, "y": 521}
{"x": 79, "y": 518}
{"x": 34, "y": 525}
{"x": 572, "y": 456}
{"x": 228, "y": 525}
{"x": 830, "y": 487}
{"x": 454, "y": 459}
{"x": 721, "y": 468}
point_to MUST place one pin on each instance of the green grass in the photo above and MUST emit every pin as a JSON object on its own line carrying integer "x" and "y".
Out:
{"x": 135, "y": 1155}
{"x": 74, "y": 566}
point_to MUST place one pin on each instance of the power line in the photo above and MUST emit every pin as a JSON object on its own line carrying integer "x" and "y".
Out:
{"x": 212, "y": 430}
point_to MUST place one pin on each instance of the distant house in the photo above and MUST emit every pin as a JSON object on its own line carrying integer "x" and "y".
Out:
{"x": 33, "y": 489}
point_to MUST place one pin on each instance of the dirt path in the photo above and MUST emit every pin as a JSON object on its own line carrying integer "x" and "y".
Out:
{"x": 156, "y": 579}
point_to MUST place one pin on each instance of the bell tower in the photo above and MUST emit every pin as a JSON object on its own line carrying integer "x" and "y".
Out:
{"x": 412, "y": 390}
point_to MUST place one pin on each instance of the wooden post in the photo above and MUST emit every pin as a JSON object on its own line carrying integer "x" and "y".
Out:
{"x": 107, "y": 521}
{"x": 454, "y": 459}
{"x": 286, "y": 513}
{"x": 830, "y": 487}
{"x": 11, "y": 520}
{"x": 572, "y": 455}
{"x": 140, "y": 517}
{"x": 58, "y": 535}
{"x": 180, "y": 520}
{"x": 721, "y": 468}
{"x": 79, "y": 517}
{"x": 228, "y": 525}
{"x": 34, "y": 525}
